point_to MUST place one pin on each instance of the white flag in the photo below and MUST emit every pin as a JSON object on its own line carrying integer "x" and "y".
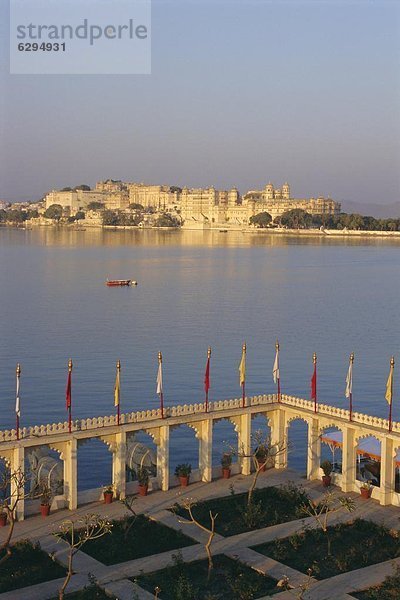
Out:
{"x": 349, "y": 381}
{"x": 17, "y": 400}
{"x": 159, "y": 379}
{"x": 275, "y": 370}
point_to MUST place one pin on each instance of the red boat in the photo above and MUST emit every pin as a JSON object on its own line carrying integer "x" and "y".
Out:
{"x": 120, "y": 282}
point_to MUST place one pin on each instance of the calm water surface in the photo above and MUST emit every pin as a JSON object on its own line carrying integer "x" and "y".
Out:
{"x": 195, "y": 289}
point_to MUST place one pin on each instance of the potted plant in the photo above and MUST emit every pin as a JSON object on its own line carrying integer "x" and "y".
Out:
{"x": 366, "y": 489}
{"x": 183, "y": 473}
{"x": 108, "y": 493}
{"x": 46, "y": 496}
{"x": 226, "y": 462}
{"x": 261, "y": 455}
{"x": 143, "y": 478}
{"x": 3, "y": 515}
{"x": 327, "y": 468}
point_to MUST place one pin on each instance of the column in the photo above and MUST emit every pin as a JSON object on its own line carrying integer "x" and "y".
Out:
{"x": 387, "y": 471}
{"x": 119, "y": 464}
{"x": 163, "y": 458}
{"x": 244, "y": 443}
{"x": 348, "y": 459}
{"x": 71, "y": 473}
{"x": 205, "y": 450}
{"x": 313, "y": 449}
{"x": 278, "y": 418}
{"x": 18, "y": 462}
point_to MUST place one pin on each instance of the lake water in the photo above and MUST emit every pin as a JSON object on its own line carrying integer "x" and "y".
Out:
{"x": 195, "y": 289}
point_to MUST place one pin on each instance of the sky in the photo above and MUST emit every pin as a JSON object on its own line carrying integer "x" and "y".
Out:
{"x": 241, "y": 92}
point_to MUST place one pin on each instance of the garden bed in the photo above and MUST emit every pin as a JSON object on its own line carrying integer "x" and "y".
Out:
{"x": 230, "y": 580}
{"x": 92, "y": 592}
{"x": 145, "y": 537}
{"x": 270, "y": 506}
{"x": 353, "y": 546}
{"x": 388, "y": 590}
{"x": 28, "y": 565}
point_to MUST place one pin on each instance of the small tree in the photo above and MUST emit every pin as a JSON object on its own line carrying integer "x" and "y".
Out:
{"x": 261, "y": 451}
{"x": 322, "y": 511}
{"x": 12, "y": 491}
{"x": 76, "y": 534}
{"x": 127, "y": 523}
{"x": 262, "y": 220}
{"x": 188, "y": 504}
{"x": 96, "y": 205}
{"x": 54, "y": 211}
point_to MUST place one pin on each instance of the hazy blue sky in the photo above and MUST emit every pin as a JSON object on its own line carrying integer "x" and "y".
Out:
{"x": 240, "y": 92}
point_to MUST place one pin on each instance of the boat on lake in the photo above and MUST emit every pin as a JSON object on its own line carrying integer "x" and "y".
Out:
{"x": 120, "y": 282}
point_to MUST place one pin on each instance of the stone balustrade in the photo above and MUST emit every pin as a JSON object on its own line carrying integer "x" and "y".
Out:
{"x": 279, "y": 412}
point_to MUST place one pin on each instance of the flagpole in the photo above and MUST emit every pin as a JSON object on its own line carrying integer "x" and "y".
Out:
{"x": 18, "y": 374}
{"x": 391, "y": 398}
{"x": 351, "y": 388}
{"x": 119, "y": 391}
{"x": 207, "y": 382}
{"x": 315, "y": 375}
{"x": 244, "y": 381}
{"x": 161, "y": 391}
{"x": 70, "y": 399}
{"x": 279, "y": 376}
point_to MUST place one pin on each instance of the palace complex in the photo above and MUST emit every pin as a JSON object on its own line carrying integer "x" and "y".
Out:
{"x": 196, "y": 207}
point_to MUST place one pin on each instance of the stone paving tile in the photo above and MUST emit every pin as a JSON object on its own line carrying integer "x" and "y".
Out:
{"x": 267, "y": 566}
{"x": 126, "y": 590}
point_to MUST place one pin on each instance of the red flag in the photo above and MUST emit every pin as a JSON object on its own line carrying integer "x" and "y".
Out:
{"x": 314, "y": 383}
{"x": 207, "y": 376}
{"x": 68, "y": 393}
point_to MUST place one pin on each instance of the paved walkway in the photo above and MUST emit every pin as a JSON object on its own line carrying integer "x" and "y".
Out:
{"x": 114, "y": 579}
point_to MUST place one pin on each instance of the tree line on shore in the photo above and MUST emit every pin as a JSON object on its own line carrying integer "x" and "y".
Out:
{"x": 300, "y": 219}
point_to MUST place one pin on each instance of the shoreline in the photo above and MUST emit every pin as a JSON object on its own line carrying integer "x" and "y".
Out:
{"x": 222, "y": 229}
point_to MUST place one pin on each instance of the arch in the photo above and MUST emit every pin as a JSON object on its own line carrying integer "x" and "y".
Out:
{"x": 296, "y": 437}
{"x": 182, "y": 446}
{"x": 225, "y": 435}
{"x": 45, "y": 464}
{"x": 141, "y": 451}
{"x": 331, "y": 445}
{"x": 94, "y": 463}
{"x": 368, "y": 458}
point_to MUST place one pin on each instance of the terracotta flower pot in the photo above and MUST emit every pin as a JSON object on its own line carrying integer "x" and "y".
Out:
{"x": 184, "y": 480}
{"x": 226, "y": 472}
{"x": 143, "y": 489}
{"x": 108, "y": 497}
{"x": 365, "y": 493}
{"x": 3, "y": 519}
{"x": 45, "y": 510}
{"x": 326, "y": 480}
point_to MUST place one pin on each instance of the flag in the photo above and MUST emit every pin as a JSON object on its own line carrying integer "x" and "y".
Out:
{"x": 314, "y": 384}
{"x": 349, "y": 381}
{"x": 68, "y": 394}
{"x": 275, "y": 369}
{"x": 207, "y": 376}
{"x": 389, "y": 386}
{"x": 242, "y": 367}
{"x": 159, "y": 379}
{"x": 17, "y": 401}
{"x": 117, "y": 389}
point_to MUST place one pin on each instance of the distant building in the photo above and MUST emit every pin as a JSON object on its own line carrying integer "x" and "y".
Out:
{"x": 75, "y": 200}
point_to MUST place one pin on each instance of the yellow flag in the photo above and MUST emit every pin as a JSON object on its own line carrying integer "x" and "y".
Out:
{"x": 389, "y": 386}
{"x": 242, "y": 366}
{"x": 116, "y": 390}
